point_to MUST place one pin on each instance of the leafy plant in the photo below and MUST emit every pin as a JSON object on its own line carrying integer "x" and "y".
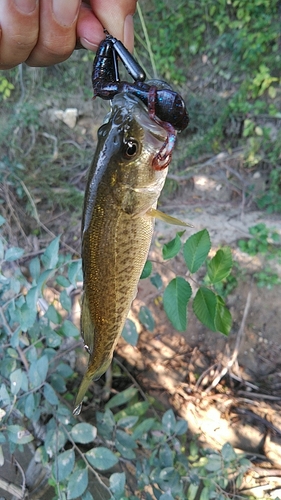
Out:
{"x": 38, "y": 384}
{"x": 208, "y": 306}
{"x": 5, "y": 87}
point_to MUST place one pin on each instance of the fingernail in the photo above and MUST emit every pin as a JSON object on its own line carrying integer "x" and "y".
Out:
{"x": 25, "y": 6}
{"x": 88, "y": 45}
{"x": 65, "y": 11}
{"x": 129, "y": 33}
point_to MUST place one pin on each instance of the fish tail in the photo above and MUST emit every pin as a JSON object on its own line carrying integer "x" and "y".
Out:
{"x": 85, "y": 384}
{"x": 89, "y": 376}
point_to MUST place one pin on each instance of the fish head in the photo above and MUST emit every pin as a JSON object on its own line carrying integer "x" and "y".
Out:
{"x": 131, "y": 139}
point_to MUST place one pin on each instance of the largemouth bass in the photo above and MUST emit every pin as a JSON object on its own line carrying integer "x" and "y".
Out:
{"x": 117, "y": 226}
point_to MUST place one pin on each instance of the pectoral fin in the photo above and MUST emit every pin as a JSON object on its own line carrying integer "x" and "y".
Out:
{"x": 153, "y": 212}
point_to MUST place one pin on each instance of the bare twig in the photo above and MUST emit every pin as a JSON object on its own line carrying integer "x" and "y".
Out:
{"x": 12, "y": 489}
{"x": 235, "y": 353}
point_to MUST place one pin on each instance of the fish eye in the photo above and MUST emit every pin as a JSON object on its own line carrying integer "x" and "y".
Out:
{"x": 131, "y": 148}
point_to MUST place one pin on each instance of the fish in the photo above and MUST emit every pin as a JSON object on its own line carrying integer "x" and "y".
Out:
{"x": 117, "y": 227}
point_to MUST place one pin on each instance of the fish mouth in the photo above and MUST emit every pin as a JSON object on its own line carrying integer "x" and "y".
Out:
{"x": 126, "y": 106}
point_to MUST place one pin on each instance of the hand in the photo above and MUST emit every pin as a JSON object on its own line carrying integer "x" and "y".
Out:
{"x": 45, "y": 32}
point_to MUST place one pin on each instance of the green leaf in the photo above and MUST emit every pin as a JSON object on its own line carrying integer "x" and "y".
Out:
{"x": 137, "y": 409}
{"x": 181, "y": 427}
{"x": 146, "y": 318}
{"x": 28, "y": 317}
{"x": 53, "y": 315}
{"x": 121, "y": 398}
{"x": 196, "y": 249}
{"x": 29, "y": 405}
{"x": 214, "y": 463}
{"x": 127, "y": 422}
{"x": 69, "y": 329}
{"x": 65, "y": 301}
{"x": 192, "y": 491}
{"x": 143, "y": 428}
{"x": 34, "y": 268}
{"x": 77, "y": 484}
{"x": 63, "y": 465}
{"x": 220, "y": 265}
{"x": 156, "y": 281}
{"x": 169, "y": 422}
{"x": 125, "y": 439}
{"x": 205, "y": 493}
{"x": 50, "y": 395}
{"x": 101, "y": 458}
{"x": 38, "y": 371}
{"x": 83, "y": 433}
{"x": 223, "y": 319}
{"x": 227, "y": 452}
{"x": 204, "y": 307}
{"x": 62, "y": 281}
{"x": 74, "y": 271}
{"x": 117, "y": 484}
{"x": 16, "y": 380}
{"x": 175, "y": 299}
{"x": 172, "y": 248}
{"x": 146, "y": 270}
{"x": 13, "y": 253}
{"x": 51, "y": 255}
{"x": 130, "y": 333}
{"x": 18, "y": 434}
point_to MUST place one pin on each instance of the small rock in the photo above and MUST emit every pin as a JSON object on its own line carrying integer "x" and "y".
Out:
{"x": 69, "y": 116}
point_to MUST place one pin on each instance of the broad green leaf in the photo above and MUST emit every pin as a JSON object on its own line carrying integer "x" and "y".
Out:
{"x": 172, "y": 248}
{"x": 205, "y": 493}
{"x": 220, "y": 265}
{"x": 51, "y": 255}
{"x": 121, "y": 398}
{"x": 4, "y": 395}
{"x": 50, "y": 395}
{"x": 29, "y": 406}
{"x": 143, "y": 428}
{"x": 87, "y": 496}
{"x": 146, "y": 270}
{"x": 130, "y": 333}
{"x": 169, "y": 422}
{"x": 223, "y": 319}
{"x": 156, "y": 281}
{"x": 53, "y": 315}
{"x": 34, "y": 268}
{"x": 166, "y": 456}
{"x": 204, "y": 307}
{"x": 101, "y": 458}
{"x": 55, "y": 440}
{"x": 65, "y": 301}
{"x": 227, "y": 452}
{"x": 175, "y": 299}
{"x": 192, "y": 491}
{"x": 127, "y": 422}
{"x": 181, "y": 427}
{"x": 43, "y": 278}
{"x": 74, "y": 271}
{"x": 28, "y": 316}
{"x": 83, "y": 433}
{"x": 117, "y": 484}
{"x": 38, "y": 371}
{"x": 166, "y": 496}
{"x": 214, "y": 463}
{"x": 16, "y": 381}
{"x": 52, "y": 338}
{"x": 125, "y": 439}
{"x": 31, "y": 298}
{"x": 146, "y": 318}
{"x": 77, "y": 484}
{"x": 137, "y": 409}
{"x": 13, "y": 253}
{"x": 63, "y": 465}
{"x": 69, "y": 329}
{"x": 62, "y": 281}
{"x": 196, "y": 249}
{"x": 18, "y": 434}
